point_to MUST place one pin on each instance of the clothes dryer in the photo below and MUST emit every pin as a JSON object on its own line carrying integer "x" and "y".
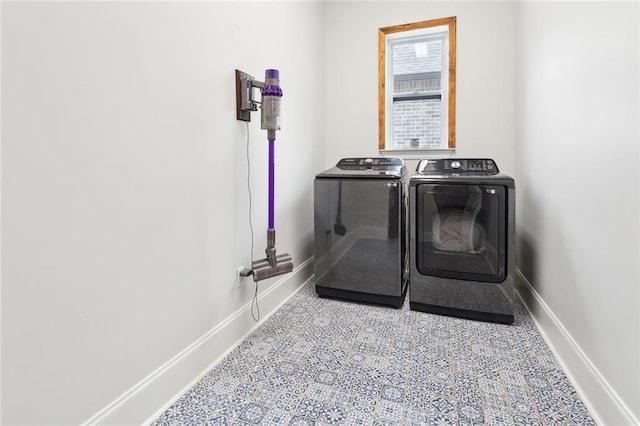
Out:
{"x": 462, "y": 225}
{"x": 360, "y": 226}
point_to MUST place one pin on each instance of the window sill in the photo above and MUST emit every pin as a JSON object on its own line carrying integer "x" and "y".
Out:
{"x": 418, "y": 154}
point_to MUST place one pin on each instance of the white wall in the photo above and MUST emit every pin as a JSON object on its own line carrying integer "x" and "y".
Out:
{"x": 577, "y": 173}
{"x": 485, "y": 80}
{"x": 124, "y": 211}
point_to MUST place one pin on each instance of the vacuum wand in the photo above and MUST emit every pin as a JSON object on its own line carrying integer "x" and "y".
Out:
{"x": 273, "y": 264}
{"x": 271, "y": 230}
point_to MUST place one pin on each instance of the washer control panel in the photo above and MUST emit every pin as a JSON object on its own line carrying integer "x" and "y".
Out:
{"x": 466, "y": 166}
{"x": 369, "y": 163}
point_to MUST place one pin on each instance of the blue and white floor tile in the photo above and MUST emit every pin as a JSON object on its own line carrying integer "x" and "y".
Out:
{"x": 327, "y": 362}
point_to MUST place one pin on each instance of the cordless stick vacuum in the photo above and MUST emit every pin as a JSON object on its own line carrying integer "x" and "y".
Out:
{"x": 273, "y": 264}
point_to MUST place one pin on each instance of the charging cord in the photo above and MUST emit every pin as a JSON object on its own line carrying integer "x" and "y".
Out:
{"x": 255, "y": 308}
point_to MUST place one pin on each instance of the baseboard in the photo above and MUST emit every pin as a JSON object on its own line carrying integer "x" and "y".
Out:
{"x": 150, "y": 397}
{"x": 603, "y": 402}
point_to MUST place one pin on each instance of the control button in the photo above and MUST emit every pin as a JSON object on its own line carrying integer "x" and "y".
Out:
{"x": 455, "y": 164}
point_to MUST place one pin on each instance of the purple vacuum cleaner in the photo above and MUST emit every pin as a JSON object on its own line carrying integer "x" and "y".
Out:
{"x": 274, "y": 264}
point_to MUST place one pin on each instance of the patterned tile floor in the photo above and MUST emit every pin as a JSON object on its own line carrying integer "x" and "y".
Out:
{"x": 327, "y": 362}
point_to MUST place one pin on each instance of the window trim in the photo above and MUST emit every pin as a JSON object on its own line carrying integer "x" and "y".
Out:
{"x": 450, "y": 22}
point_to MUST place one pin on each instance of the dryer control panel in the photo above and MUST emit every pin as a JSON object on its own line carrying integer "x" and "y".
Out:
{"x": 459, "y": 166}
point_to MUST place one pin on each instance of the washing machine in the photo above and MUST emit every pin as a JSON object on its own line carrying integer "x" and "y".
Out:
{"x": 360, "y": 231}
{"x": 462, "y": 225}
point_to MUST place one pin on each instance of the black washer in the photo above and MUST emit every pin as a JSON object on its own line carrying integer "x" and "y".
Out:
{"x": 360, "y": 232}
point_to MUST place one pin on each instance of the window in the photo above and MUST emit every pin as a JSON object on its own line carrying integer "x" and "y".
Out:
{"x": 416, "y": 85}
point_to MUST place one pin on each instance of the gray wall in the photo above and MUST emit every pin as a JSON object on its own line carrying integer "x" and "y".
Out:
{"x": 124, "y": 202}
{"x": 577, "y": 176}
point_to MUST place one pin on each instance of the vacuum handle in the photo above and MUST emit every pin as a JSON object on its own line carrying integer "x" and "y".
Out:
{"x": 272, "y": 179}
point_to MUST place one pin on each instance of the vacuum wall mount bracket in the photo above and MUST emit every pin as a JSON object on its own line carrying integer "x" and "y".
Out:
{"x": 245, "y": 103}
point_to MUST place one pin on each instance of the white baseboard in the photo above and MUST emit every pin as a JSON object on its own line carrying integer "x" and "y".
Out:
{"x": 154, "y": 394}
{"x": 603, "y": 402}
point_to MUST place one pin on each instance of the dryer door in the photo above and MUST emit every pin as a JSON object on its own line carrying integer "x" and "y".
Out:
{"x": 461, "y": 231}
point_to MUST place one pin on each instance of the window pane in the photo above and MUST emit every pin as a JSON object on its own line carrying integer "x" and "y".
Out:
{"x": 420, "y": 56}
{"x": 417, "y": 84}
{"x": 417, "y": 119}
{"x": 417, "y": 71}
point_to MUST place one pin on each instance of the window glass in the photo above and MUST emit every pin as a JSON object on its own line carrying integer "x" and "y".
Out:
{"x": 461, "y": 232}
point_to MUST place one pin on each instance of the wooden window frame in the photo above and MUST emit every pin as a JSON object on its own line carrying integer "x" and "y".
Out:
{"x": 451, "y": 92}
